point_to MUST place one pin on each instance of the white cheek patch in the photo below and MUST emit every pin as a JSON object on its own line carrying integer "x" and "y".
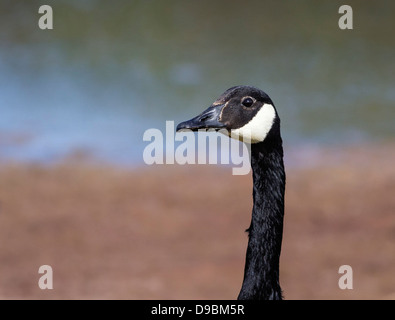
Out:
{"x": 258, "y": 127}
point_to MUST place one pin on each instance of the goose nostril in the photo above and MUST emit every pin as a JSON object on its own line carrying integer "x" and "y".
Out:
{"x": 204, "y": 118}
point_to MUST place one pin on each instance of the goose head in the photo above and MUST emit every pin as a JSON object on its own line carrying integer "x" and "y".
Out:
{"x": 247, "y": 113}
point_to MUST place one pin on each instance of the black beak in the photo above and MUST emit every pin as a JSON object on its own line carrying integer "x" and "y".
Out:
{"x": 208, "y": 119}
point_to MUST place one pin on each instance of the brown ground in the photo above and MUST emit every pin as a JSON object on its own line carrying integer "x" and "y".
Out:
{"x": 177, "y": 232}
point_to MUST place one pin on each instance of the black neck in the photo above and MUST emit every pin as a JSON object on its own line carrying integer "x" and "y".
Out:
{"x": 261, "y": 274}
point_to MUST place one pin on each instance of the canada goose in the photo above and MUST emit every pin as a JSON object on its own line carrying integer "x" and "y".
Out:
{"x": 249, "y": 113}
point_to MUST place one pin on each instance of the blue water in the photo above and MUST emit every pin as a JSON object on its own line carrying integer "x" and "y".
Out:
{"x": 105, "y": 74}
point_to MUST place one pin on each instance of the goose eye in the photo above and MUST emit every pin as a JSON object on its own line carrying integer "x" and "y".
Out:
{"x": 247, "y": 102}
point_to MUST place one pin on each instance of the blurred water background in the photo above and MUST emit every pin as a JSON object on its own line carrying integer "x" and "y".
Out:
{"x": 109, "y": 70}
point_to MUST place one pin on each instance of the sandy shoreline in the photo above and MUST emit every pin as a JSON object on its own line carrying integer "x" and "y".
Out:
{"x": 177, "y": 232}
